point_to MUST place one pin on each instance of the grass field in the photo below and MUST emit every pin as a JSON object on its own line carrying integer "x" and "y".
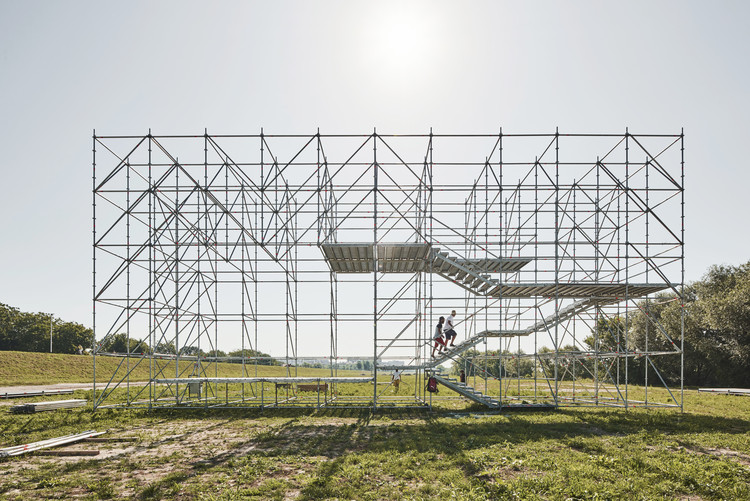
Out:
{"x": 456, "y": 452}
{"x": 24, "y": 368}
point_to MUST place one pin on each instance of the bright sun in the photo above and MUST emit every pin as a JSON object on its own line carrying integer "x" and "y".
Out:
{"x": 400, "y": 40}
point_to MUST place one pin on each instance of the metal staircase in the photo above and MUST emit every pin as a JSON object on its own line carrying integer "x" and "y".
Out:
{"x": 449, "y": 354}
{"x": 472, "y": 274}
{"x": 467, "y": 391}
{"x": 442, "y": 357}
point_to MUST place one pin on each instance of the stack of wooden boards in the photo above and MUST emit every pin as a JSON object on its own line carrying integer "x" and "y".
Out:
{"x": 47, "y": 406}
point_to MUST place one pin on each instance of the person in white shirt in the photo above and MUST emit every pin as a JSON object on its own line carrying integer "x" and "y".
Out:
{"x": 450, "y": 334}
{"x": 396, "y": 379}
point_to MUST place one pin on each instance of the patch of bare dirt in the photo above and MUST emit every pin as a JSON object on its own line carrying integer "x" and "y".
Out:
{"x": 187, "y": 447}
{"x": 743, "y": 459}
{"x": 722, "y": 452}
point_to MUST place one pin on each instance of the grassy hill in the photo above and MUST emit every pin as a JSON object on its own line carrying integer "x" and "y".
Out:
{"x": 30, "y": 368}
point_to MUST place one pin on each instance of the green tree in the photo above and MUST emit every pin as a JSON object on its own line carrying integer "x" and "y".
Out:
{"x": 474, "y": 362}
{"x": 723, "y": 307}
{"x": 609, "y": 333}
{"x": 118, "y": 343}
{"x": 27, "y": 331}
{"x": 68, "y": 336}
{"x": 190, "y": 350}
{"x": 214, "y": 353}
{"x": 258, "y": 357}
{"x": 515, "y": 364}
{"x": 8, "y": 319}
{"x": 717, "y": 330}
{"x": 656, "y": 327}
{"x": 23, "y": 331}
{"x": 165, "y": 348}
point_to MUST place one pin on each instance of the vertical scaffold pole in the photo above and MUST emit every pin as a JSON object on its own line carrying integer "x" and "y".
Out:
{"x": 243, "y": 284}
{"x": 177, "y": 279}
{"x": 430, "y": 176}
{"x": 557, "y": 263}
{"x": 375, "y": 268}
{"x": 202, "y": 214}
{"x": 648, "y": 302}
{"x": 127, "y": 278}
{"x": 682, "y": 271}
{"x": 597, "y": 311}
{"x": 487, "y": 256}
{"x": 501, "y": 237}
{"x": 262, "y": 242}
{"x": 296, "y": 288}
{"x": 93, "y": 262}
{"x": 255, "y": 295}
{"x": 151, "y": 388}
{"x": 627, "y": 256}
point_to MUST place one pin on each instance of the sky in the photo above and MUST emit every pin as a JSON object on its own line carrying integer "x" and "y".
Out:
{"x": 67, "y": 68}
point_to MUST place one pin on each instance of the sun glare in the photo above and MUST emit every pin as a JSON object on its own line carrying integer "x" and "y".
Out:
{"x": 400, "y": 41}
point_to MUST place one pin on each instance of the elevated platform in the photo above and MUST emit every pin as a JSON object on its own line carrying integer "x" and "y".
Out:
{"x": 470, "y": 274}
{"x": 391, "y": 258}
{"x": 408, "y": 258}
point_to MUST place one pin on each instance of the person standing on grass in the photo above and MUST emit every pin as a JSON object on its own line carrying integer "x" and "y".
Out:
{"x": 450, "y": 334}
{"x": 438, "y": 337}
{"x": 396, "y": 379}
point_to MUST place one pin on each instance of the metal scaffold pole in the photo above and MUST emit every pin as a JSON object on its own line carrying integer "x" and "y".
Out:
{"x": 93, "y": 264}
{"x": 375, "y": 268}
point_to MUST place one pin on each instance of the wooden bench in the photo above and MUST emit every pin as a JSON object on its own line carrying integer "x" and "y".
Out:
{"x": 313, "y": 387}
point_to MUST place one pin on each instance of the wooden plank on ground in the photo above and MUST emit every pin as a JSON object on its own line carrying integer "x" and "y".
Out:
{"x": 67, "y": 453}
{"x": 47, "y": 406}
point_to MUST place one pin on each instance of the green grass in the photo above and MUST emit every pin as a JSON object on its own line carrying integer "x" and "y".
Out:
{"x": 26, "y": 368}
{"x": 590, "y": 453}
{"x": 455, "y": 452}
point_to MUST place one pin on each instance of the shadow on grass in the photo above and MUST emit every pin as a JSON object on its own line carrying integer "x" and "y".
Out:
{"x": 616, "y": 421}
{"x": 387, "y": 434}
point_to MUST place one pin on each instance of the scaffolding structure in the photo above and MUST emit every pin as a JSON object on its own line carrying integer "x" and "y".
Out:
{"x": 210, "y": 251}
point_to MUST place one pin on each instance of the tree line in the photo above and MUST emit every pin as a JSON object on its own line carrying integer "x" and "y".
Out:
{"x": 21, "y": 331}
{"x": 121, "y": 343}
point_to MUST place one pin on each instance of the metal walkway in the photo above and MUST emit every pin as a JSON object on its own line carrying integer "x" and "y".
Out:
{"x": 474, "y": 275}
